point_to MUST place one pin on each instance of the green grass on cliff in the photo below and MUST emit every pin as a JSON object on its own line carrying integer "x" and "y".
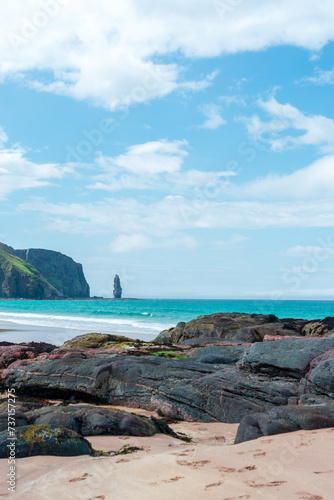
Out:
{"x": 17, "y": 272}
{"x": 8, "y": 261}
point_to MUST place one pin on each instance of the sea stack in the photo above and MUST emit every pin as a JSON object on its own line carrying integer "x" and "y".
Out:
{"x": 117, "y": 287}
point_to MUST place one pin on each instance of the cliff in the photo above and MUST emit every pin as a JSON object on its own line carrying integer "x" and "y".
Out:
{"x": 18, "y": 279}
{"x": 40, "y": 274}
{"x": 59, "y": 270}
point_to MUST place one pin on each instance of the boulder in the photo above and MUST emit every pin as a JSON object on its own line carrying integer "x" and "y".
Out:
{"x": 285, "y": 419}
{"x": 98, "y": 340}
{"x": 34, "y": 440}
{"x": 319, "y": 328}
{"x": 227, "y": 326}
{"x": 93, "y": 421}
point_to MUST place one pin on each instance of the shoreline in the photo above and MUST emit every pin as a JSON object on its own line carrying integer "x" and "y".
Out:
{"x": 11, "y": 331}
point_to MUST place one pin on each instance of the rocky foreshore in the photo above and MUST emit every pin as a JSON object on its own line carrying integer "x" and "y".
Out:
{"x": 270, "y": 376}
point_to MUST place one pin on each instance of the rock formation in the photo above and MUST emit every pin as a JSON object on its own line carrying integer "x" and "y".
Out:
{"x": 243, "y": 328}
{"x": 59, "y": 270}
{"x": 117, "y": 287}
{"x": 214, "y": 383}
{"x": 40, "y": 274}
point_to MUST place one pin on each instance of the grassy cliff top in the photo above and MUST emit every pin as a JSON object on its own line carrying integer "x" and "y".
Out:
{"x": 8, "y": 261}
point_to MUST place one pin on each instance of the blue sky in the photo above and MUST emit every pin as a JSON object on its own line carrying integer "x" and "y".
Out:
{"x": 188, "y": 147}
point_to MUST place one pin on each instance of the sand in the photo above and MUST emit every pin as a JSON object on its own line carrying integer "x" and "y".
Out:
{"x": 11, "y": 331}
{"x": 297, "y": 465}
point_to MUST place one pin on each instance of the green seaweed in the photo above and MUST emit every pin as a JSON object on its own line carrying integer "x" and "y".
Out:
{"x": 125, "y": 450}
{"x": 168, "y": 354}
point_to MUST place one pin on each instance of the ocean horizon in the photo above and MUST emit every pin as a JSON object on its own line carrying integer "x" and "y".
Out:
{"x": 60, "y": 320}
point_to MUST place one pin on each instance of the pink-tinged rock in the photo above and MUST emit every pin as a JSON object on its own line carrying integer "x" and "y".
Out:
{"x": 16, "y": 364}
{"x": 11, "y": 353}
{"x": 270, "y": 338}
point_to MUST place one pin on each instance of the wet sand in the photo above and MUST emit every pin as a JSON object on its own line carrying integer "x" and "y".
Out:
{"x": 17, "y": 333}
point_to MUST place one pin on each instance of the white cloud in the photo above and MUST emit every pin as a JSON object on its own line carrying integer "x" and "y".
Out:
{"x": 153, "y": 165}
{"x": 232, "y": 242}
{"x": 134, "y": 242}
{"x": 318, "y": 252}
{"x": 17, "y": 172}
{"x": 109, "y": 54}
{"x": 164, "y": 219}
{"x": 233, "y": 99}
{"x": 150, "y": 158}
{"x": 313, "y": 182}
{"x": 321, "y": 77}
{"x": 3, "y": 137}
{"x": 212, "y": 112}
{"x": 131, "y": 242}
{"x": 319, "y": 130}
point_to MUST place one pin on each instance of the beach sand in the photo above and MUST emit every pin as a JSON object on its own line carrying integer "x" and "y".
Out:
{"x": 297, "y": 465}
{"x": 17, "y": 333}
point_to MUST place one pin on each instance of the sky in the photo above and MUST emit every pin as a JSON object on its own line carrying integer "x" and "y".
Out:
{"x": 187, "y": 146}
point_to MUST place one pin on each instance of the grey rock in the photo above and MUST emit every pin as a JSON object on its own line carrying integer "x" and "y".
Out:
{"x": 285, "y": 419}
{"x": 43, "y": 440}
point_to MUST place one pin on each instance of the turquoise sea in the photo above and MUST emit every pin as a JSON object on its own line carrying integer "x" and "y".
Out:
{"x": 142, "y": 319}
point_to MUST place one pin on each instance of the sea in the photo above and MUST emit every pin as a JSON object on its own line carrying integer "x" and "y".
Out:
{"x": 57, "y": 321}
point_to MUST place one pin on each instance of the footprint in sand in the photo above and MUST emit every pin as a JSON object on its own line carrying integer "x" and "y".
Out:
{"x": 194, "y": 465}
{"x": 226, "y": 469}
{"x": 304, "y": 495}
{"x": 82, "y": 478}
{"x": 244, "y": 497}
{"x": 253, "y": 484}
{"x": 184, "y": 453}
{"x": 262, "y": 454}
{"x": 220, "y": 439}
{"x": 173, "y": 479}
{"x": 213, "y": 485}
{"x": 247, "y": 468}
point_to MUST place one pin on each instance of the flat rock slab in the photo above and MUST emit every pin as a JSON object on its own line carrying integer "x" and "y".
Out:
{"x": 289, "y": 356}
